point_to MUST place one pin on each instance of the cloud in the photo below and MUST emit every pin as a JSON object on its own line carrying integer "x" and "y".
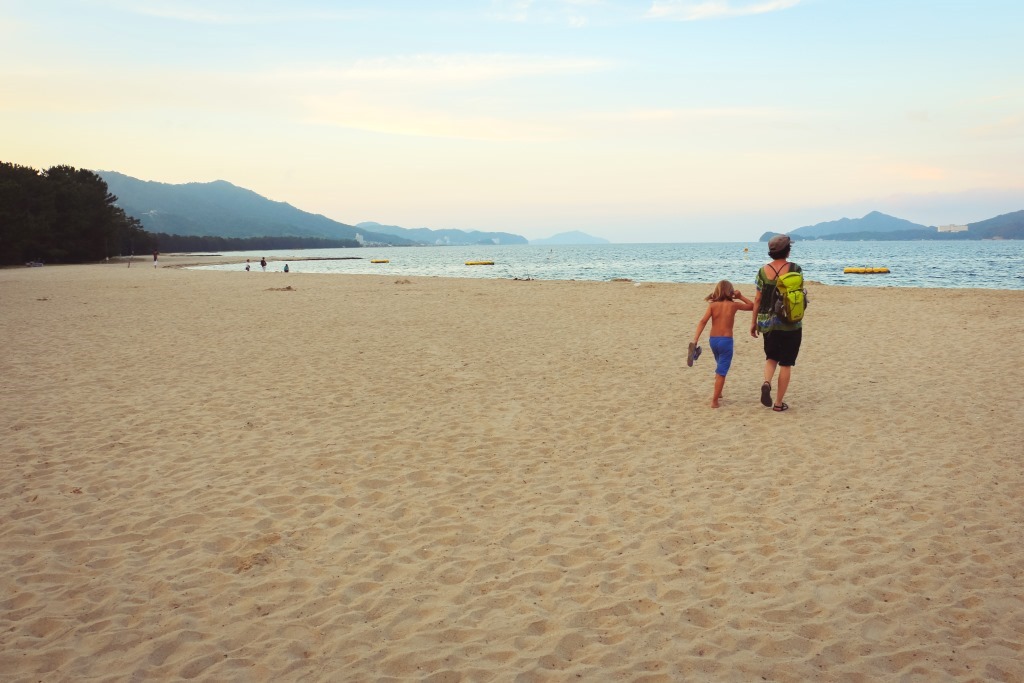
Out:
{"x": 573, "y": 13}
{"x": 914, "y": 172}
{"x": 511, "y": 10}
{"x": 696, "y": 10}
{"x": 745, "y": 115}
{"x": 430, "y": 95}
{"x": 434, "y": 69}
{"x": 1008, "y": 128}
{"x": 229, "y": 11}
{"x": 351, "y": 111}
{"x": 371, "y": 112}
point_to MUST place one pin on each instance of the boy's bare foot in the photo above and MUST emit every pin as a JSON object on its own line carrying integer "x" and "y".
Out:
{"x": 714, "y": 404}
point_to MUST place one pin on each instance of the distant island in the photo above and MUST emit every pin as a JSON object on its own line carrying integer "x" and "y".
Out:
{"x": 880, "y": 226}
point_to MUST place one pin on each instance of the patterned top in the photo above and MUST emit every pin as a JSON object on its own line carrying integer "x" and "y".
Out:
{"x": 767, "y": 321}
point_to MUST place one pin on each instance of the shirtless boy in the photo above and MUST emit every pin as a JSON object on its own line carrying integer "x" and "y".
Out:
{"x": 721, "y": 312}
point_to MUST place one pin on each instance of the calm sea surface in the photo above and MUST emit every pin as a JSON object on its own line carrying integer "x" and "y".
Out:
{"x": 974, "y": 264}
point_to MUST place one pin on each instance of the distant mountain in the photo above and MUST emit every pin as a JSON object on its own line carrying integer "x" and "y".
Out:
{"x": 873, "y": 222}
{"x": 444, "y": 237}
{"x": 572, "y": 237}
{"x": 221, "y": 209}
{"x": 1009, "y": 226}
{"x": 879, "y": 226}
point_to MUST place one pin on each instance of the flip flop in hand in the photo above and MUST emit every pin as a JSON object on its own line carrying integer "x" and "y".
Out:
{"x": 692, "y": 354}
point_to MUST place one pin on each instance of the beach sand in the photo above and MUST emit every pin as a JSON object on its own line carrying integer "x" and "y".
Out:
{"x": 240, "y": 476}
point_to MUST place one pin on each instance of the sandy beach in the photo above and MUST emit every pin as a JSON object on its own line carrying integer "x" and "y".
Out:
{"x": 235, "y": 476}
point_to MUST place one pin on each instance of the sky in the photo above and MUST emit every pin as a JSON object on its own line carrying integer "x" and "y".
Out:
{"x": 631, "y": 120}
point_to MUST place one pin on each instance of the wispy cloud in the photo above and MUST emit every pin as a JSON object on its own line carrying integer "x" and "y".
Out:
{"x": 573, "y": 13}
{"x": 434, "y": 69}
{"x": 362, "y": 112}
{"x": 399, "y": 96}
{"x": 512, "y": 10}
{"x": 695, "y": 10}
{"x": 699, "y": 114}
{"x": 914, "y": 172}
{"x": 1008, "y": 128}
{"x": 229, "y": 11}
{"x": 352, "y": 111}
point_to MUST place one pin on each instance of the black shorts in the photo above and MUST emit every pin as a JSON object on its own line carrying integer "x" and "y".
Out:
{"x": 782, "y": 346}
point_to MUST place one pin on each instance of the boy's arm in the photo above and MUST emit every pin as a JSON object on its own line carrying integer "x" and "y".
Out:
{"x": 745, "y": 303}
{"x": 703, "y": 322}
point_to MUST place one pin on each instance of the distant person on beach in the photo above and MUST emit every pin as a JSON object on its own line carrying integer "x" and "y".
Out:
{"x": 263, "y": 264}
{"x": 247, "y": 265}
{"x": 286, "y": 267}
{"x": 155, "y": 254}
{"x": 721, "y": 312}
{"x": 781, "y": 339}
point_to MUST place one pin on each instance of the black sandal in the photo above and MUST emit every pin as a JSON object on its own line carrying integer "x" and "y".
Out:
{"x": 780, "y": 408}
{"x": 766, "y": 394}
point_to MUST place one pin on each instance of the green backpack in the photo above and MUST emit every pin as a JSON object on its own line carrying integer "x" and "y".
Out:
{"x": 790, "y": 295}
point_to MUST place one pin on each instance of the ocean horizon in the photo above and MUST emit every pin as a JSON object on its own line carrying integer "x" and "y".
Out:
{"x": 988, "y": 264}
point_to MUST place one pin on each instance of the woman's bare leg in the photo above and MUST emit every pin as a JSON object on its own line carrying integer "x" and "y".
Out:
{"x": 785, "y": 372}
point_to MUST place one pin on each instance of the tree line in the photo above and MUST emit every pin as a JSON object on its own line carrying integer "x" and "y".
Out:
{"x": 178, "y": 243}
{"x": 62, "y": 215}
{"x": 67, "y": 215}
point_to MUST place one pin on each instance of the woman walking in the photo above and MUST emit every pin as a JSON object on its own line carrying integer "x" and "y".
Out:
{"x": 781, "y": 338}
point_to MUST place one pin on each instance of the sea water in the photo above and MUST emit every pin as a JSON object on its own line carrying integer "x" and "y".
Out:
{"x": 996, "y": 264}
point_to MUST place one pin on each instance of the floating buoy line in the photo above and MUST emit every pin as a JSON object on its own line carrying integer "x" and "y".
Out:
{"x": 468, "y": 263}
{"x": 864, "y": 271}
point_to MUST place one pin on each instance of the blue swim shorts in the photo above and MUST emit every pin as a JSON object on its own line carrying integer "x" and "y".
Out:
{"x": 722, "y": 348}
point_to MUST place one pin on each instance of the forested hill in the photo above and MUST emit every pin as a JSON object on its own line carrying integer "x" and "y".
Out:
{"x": 879, "y": 226}
{"x": 221, "y": 209}
{"x": 62, "y": 215}
{"x": 875, "y": 221}
{"x": 1006, "y": 226}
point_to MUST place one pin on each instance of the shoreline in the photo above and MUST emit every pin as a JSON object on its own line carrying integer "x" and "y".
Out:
{"x": 189, "y": 260}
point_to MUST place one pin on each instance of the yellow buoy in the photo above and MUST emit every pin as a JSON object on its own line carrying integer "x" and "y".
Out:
{"x": 479, "y": 263}
{"x": 380, "y": 260}
{"x": 865, "y": 271}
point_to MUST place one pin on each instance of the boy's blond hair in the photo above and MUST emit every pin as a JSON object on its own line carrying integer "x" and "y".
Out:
{"x": 723, "y": 292}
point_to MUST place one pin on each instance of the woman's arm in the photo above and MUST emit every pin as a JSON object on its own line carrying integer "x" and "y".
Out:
{"x": 755, "y": 308}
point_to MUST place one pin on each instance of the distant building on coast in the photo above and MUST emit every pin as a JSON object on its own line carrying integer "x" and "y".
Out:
{"x": 952, "y": 228}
